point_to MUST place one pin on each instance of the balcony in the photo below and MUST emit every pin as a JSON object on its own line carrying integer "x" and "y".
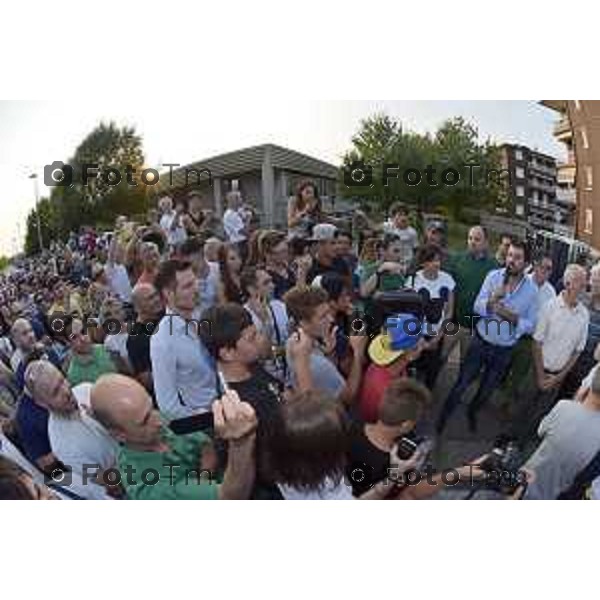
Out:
{"x": 544, "y": 169}
{"x": 566, "y": 174}
{"x": 566, "y": 195}
{"x": 562, "y": 129}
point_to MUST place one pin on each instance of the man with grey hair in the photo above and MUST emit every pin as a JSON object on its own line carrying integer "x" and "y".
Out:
{"x": 75, "y": 437}
{"x": 558, "y": 340}
{"x": 570, "y": 443}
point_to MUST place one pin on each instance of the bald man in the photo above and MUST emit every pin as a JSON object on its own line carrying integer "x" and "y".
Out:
{"x": 468, "y": 268}
{"x": 149, "y": 309}
{"x": 155, "y": 464}
{"x": 76, "y": 439}
{"x": 28, "y": 348}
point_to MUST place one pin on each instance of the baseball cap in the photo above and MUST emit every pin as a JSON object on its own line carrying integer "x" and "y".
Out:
{"x": 323, "y": 232}
{"x": 403, "y": 332}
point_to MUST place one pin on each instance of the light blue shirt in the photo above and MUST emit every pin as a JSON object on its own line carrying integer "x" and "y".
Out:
{"x": 183, "y": 372}
{"x": 522, "y": 301}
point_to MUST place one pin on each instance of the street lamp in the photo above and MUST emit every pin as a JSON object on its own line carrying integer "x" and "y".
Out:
{"x": 37, "y": 210}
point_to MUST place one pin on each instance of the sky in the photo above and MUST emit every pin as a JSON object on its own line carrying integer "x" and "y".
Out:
{"x": 35, "y": 133}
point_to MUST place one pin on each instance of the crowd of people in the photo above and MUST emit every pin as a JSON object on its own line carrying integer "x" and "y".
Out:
{"x": 193, "y": 357}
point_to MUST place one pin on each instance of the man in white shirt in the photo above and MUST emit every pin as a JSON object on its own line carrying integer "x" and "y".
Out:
{"x": 77, "y": 440}
{"x": 398, "y": 225}
{"x": 542, "y": 269}
{"x": 235, "y": 221}
{"x": 116, "y": 273}
{"x": 183, "y": 372}
{"x": 170, "y": 221}
{"x": 559, "y": 338}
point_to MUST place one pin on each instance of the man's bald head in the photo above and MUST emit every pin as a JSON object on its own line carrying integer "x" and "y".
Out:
{"x": 125, "y": 409}
{"x": 48, "y": 387}
{"x": 477, "y": 240}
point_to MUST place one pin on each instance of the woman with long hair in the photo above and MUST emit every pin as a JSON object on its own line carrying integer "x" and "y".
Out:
{"x": 230, "y": 267}
{"x": 304, "y": 210}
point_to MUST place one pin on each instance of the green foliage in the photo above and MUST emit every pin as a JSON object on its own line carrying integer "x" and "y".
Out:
{"x": 70, "y": 207}
{"x": 382, "y": 140}
{"x": 4, "y": 262}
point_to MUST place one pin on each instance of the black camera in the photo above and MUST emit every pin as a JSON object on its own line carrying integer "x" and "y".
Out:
{"x": 502, "y": 467}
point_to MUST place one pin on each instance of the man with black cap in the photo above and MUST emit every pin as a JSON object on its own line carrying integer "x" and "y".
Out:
{"x": 326, "y": 258}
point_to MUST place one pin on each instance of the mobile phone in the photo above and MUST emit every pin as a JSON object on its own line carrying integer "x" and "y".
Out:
{"x": 224, "y": 386}
{"x": 406, "y": 448}
{"x": 202, "y": 422}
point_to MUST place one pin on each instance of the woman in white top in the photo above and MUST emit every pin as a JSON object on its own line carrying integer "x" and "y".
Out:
{"x": 436, "y": 287}
{"x": 269, "y": 316}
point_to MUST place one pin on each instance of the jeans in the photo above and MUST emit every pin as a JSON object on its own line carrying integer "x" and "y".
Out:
{"x": 489, "y": 360}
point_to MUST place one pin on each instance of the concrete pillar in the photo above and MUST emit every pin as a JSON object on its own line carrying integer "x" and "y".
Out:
{"x": 268, "y": 189}
{"x": 218, "y": 196}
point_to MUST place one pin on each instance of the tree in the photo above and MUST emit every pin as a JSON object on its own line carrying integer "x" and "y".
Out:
{"x": 99, "y": 200}
{"x": 423, "y": 161}
{"x": 49, "y": 226}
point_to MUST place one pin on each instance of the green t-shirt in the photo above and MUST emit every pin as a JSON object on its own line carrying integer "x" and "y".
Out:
{"x": 469, "y": 273}
{"x": 180, "y": 481}
{"x": 82, "y": 372}
{"x": 388, "y": 282}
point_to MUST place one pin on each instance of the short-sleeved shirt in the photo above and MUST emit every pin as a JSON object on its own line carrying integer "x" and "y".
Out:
{"x": 561, "y": 331}
{"x": 32, "y": 426}
{"x": 180, "y": 481}
{"x": 570, "y": 439}
{"x": 234, "y": 225}
{"x": 325, "y": 376}
{"x": 84, "y": 372}
{"x": 436, "y": 293}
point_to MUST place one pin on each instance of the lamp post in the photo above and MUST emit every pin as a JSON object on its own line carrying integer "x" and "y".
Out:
{"x": 37, "y": 210}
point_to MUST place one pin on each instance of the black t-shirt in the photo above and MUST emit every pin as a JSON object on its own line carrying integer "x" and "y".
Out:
{"x": 339, "y": 266}
{"x": 263, "y": 392}
{"x": 367, "y": 464}
{"x": 138, "y": 346}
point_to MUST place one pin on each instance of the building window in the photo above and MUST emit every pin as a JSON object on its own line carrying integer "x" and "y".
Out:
{"x": 584, "y": 138}
{"x": 589, "y": 219}
{"x": 589, "y": 178}
{"x": 520, "y": 191}
{"x": 518, "y": 155}
{"x": 520, "y": 173}
{"x": 520, "y": 210}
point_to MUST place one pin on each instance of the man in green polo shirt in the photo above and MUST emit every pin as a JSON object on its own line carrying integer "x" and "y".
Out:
{"x": 468, "y": 268}
{"x": 88, "y": 361}
{"x": 155, "y": 464}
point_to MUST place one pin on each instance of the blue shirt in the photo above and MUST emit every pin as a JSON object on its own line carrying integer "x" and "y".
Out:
{"x": 32, "y": 426}
{"x": 522, "y": 301}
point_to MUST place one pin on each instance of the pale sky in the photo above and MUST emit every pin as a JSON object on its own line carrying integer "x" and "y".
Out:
{"x": 35, "y": 133}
